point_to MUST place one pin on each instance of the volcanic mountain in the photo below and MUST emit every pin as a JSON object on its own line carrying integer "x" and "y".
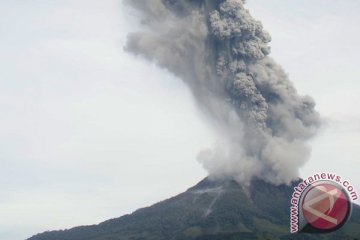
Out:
{"x": 211, "y": 210}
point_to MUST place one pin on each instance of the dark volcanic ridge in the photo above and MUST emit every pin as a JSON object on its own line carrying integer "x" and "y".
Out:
{"x": 212, "y": 209}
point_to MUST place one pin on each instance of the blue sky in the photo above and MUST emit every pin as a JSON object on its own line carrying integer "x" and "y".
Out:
{"x": 89, "y": 132}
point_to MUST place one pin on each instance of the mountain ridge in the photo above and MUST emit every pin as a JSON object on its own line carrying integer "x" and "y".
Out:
{"x": 210, "y": 210}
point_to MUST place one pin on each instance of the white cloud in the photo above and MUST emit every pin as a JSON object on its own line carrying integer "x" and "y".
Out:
{"x": 88, "y": 133}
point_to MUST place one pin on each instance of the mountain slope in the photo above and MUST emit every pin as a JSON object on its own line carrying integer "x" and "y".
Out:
{"x": 211, "y": 210}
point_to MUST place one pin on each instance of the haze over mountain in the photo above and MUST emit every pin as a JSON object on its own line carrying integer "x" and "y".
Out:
{"x": 211, "y": 210}
{"x": 62, "y": 62}
{"x": 221, "y": 52}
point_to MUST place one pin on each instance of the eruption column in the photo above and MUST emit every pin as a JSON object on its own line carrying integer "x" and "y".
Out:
{"x": 221, "y": 52}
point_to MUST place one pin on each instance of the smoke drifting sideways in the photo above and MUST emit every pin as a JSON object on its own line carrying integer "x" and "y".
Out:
{"x": 221, "y": 52}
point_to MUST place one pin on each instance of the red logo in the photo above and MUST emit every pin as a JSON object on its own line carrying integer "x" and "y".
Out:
{"x": 326, "y": 207}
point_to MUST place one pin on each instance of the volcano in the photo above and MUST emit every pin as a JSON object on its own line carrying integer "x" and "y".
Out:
{"x": 211, "y": 210}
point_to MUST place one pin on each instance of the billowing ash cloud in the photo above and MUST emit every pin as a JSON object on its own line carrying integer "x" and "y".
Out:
{"x": 221, "y": 53}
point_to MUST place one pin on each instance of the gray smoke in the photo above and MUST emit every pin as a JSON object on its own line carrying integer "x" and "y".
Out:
{"x": 221, "y": 52}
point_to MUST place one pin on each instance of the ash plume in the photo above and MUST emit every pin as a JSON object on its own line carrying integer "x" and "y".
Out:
{"x": 221, "y": 52}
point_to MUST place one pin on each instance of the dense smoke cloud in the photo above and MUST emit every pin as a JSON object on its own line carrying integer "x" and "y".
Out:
{"x": 221, "y": 52}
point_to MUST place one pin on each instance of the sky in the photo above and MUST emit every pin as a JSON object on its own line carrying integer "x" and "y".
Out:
{"x": 89, "y": 132}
